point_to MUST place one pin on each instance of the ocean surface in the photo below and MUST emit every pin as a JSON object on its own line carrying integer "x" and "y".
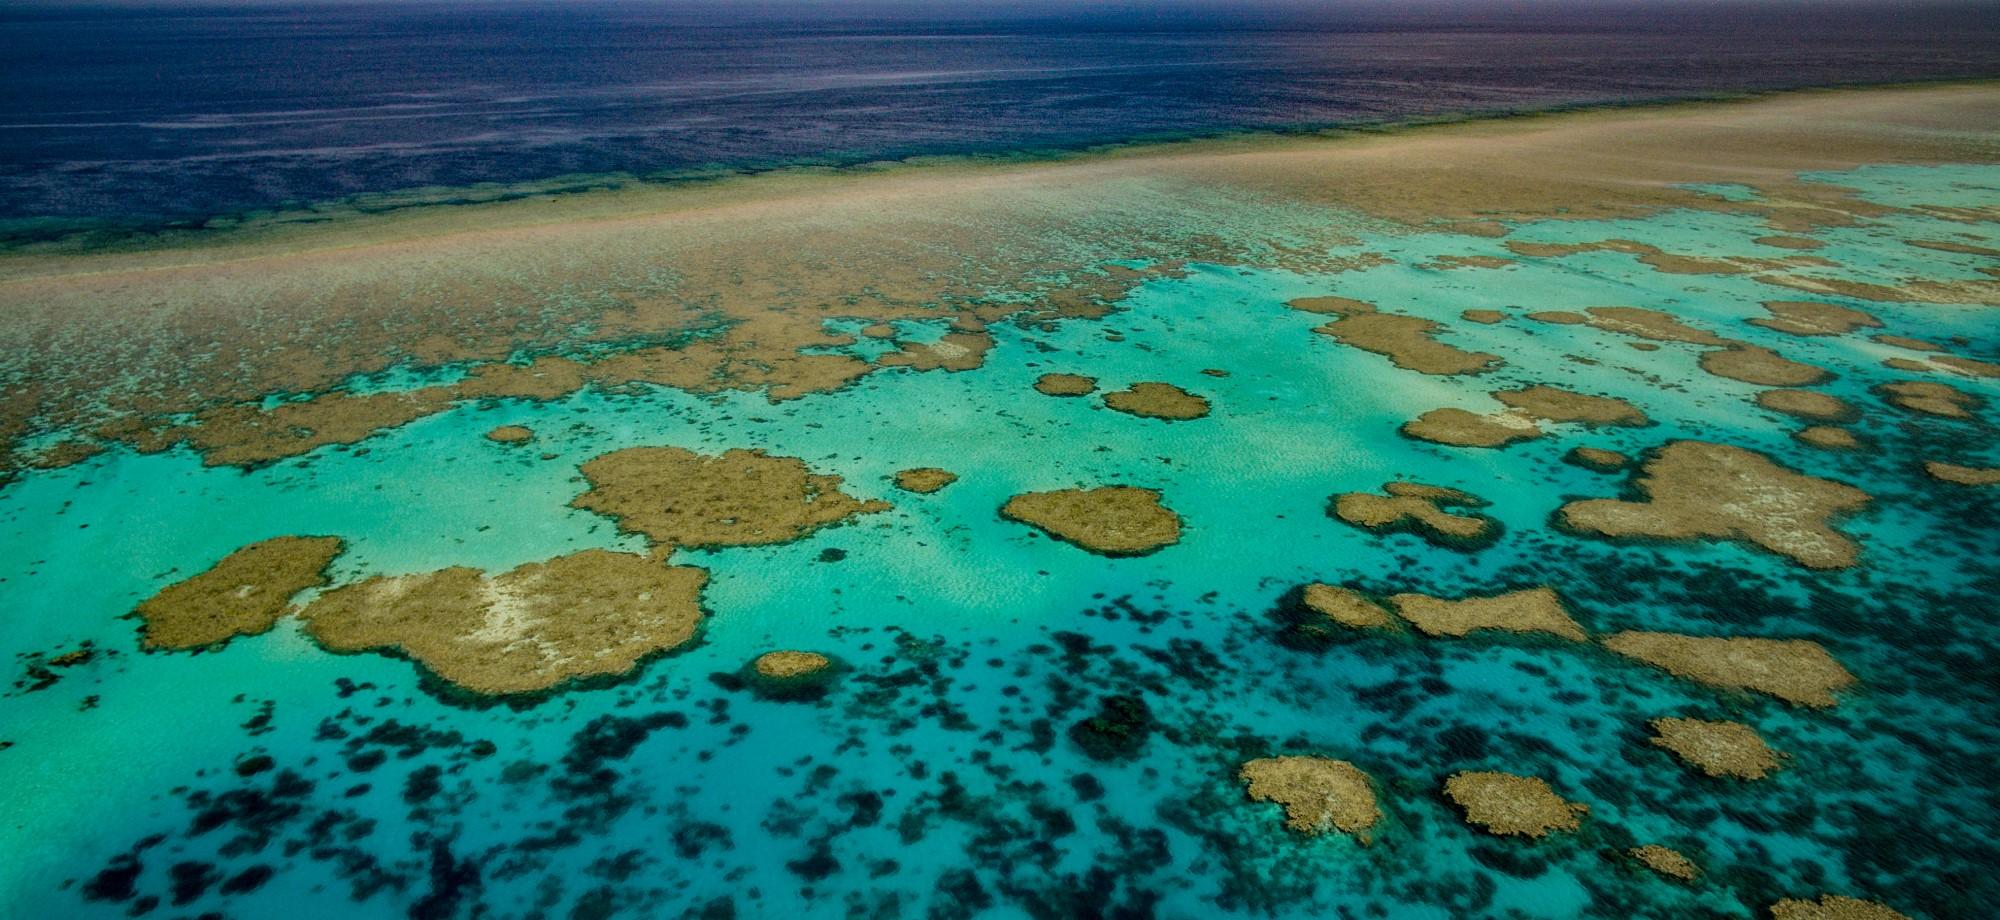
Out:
{"x": 147, "y": 114}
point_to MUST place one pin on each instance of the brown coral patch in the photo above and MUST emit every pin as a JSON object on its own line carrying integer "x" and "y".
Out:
{"x": 676, "y": 497}
{"x": 1597, "y": 458}
{"x": 1970, "y": 367}
{"x": 1716, "y": 748}
{"x": 240, "y": 596}
{"x": 789, "y": 664}
{"x": 1527, "y": 611}
{"x": 1962, "y": 475}
{"x": 1911, "y": 290}
{"x": 1558, "y": 405}
{"x": 1422, "y": 510}
{"x": 924, "y": 480}
{"x": 64, "y": 453}
{"x": 1157, "y": 400}
{"x": 1065, "y": 385}
{"x": 1640, "y": 322}
{"x": 1789, "y": 242}
{"x": 1319, "y": 794}
{"x": 1827, "y": 437}
{"x": 1408, "y": 342}
{"x": 1109, "y": 521}
{"x": 1808, "y": 317}
{"x": 593, "y": 613}
{"x": 1941, "y": 400}
{"x": 1697, "y": 490}
{"x": 1637, "y": 322}
{"x": 956, "y": 351}
{"x": 1486, "y": 317}
{"x": 1560, "y": 317}
{"x": 1833, "y": 907}
{"x": 245, "y": 434}
{"x": 1504, "y": 804}
{"x": 1761, "y": 366}
{"x": 1807, "y": 404}
{"x": 1904, "y": 341}
{"x": 1648, "y": 254}
{"x": 510, "y": 434}
{"x": 1797, "y": 671}
{"x": 1345, "y": 606}
{"x": 1668, "y": 862}
{"x": 1954, "y": 246}
{"x": 1339, "y": 306}
{"x": 1462, "y": 428}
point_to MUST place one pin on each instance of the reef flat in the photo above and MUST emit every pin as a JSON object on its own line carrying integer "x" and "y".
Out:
{"x": 1584, "y": 514}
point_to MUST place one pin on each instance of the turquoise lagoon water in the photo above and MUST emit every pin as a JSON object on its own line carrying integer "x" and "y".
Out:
{"x": 936, "y": 778}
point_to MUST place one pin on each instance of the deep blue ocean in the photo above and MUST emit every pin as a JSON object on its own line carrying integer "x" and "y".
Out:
{"x": 158, "y": 113}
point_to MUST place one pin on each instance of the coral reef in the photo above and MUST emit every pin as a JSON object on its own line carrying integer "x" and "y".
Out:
{"x": 1065, "y": 385}
{"x": 1462, "y": 428}
{"x": 1760, "y": 366}
{"x": 1833, "y": 907}
{"x": 924, "y": 480}
{"x": 676, "y": 497}
{"x": 790, "y": 675}
{"x": 1716, "y": 748}
{"x": 788, "y": 664}
{"x": 1531, "y": 610}
{"x": 593, "y": 613}
{"x": 1797, "y": 671}
{"x": 1807, "y": 317}
{"x": 1827, "y": 437}
{"x": 1637, "y": 322}
{"x": 1345, "y": 606}
{"x": 1668, "y": 862}
{"x": 1551, "y": 404}
{"x": 1807, "y": 404}
{"x": 244, "y": 594}
{"x": 1698, "y": 490}
{"x": 1939, "y": 399}
{"x": 1597, "y": 458}
{"x": 1408, "y": 342}
{"x": 1507, "y": 805}
{"x": 1109, "y": 521}
{"x": 1319, "y": 794}
{"x": 1157, "y": 400}
{"x": 1962, "y": 475}
{"x": 1420, "y": 509}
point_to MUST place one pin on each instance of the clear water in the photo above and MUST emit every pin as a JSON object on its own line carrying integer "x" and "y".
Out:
{"x": 935, "y": 779}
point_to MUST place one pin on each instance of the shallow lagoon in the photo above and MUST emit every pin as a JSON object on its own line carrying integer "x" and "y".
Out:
{"x": 936, "y": 777}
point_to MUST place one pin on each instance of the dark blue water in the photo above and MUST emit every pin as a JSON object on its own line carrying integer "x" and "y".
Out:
{"x": 159, "y": 113}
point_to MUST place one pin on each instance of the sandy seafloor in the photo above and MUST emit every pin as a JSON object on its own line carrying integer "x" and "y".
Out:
{"x": 935, "y": 778}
